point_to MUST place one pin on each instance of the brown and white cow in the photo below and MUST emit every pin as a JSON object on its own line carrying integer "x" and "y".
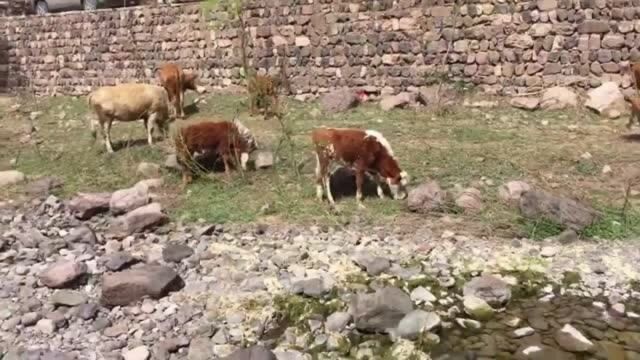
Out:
{"x": 635, "y": 109}
{"x": 227, "y": 139}
{"x": 635, "y": 73}
{"x": 366, "y": 151}
{"x": 176, "y": 82}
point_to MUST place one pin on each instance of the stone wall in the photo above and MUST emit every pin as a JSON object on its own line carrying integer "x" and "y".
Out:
{"x": 504, "y": 45}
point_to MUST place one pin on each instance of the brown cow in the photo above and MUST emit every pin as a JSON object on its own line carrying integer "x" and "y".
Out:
{"x": 635, "y": 109}
{"x": 366, "y": 151}
{"x": 225, "y": 139}
{"x": 176, "y": 82}
{"x": 635, "y": 72}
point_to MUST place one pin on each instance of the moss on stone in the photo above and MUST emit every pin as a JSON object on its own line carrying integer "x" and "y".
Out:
{"x": 295, "y": 310}
{"x": 571, "y": 277}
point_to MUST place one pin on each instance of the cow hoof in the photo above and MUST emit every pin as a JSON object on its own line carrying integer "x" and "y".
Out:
{"x": 361, "y": 206}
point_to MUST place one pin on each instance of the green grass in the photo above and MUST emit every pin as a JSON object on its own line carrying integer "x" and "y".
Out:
{"x": 463, "y": 147}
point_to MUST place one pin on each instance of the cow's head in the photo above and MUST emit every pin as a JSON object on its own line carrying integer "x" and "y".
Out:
{"x": 361, "y": 95}
{"x": 189, "y": 81}
{"x": 398, "y": 185}
{"x": 396, "y": 178}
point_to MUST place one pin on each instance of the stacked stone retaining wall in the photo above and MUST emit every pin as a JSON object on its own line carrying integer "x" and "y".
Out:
{"x": 504, "y": 45}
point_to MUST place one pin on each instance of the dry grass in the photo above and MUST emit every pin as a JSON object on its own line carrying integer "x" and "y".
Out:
{"x": 480, "y": 147}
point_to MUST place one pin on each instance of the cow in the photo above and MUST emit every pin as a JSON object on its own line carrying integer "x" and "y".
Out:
{"x": 635, "y": 109}
{"x": 635, "y": 72}
{"x": 129, "y": 102}
{"x": 176, "y": 82}
{"x": 366, "y": 151}
{"x": 226, "y": 139}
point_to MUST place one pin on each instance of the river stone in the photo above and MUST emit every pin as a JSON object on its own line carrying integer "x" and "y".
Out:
{"x": 82, "y": 234}
{"x": 570, "y": 339}
{"x": 126, "y": 200}
{"x": 607, "y": 100}
{"x": 416, "y": 322}
{"x": 119, "y": 260}
{"x": 427, "y": 197}
{"x": 380, "y": 311}
{"x": 200, "y": 348}
{"x": 176, "y": 252}
{"x": 256, "y": 352}
{"x": 337, "y": 321}
{"x": 62, "y": 273}
{"x": 68, "y": 298}
{"x": 373, "y": 265}
{"x": 87, "y": 311}
{"x": 522, "y": 332}
{"x": 542, "y": 352}
{"x": 128, "y": 286}
{"x": 138, "y": 220}
{"x": 422, "y": 295}
{"x": 138, "y": 353}
{"x": 477, "y": 308}
{"x": 468, "y": 323}
{"x": 611, "y": 351}
{"x": 489, "y": 288}
{"x": 46, "y": 326}
{"x": 310, "y": 287}
{"x": 86, "y": 205}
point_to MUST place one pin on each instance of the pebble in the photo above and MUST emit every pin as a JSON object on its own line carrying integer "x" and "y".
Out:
{"x": 618, "y": 309}
{"x": 421, "y": 295}
{"x": 337, "y": 321}
{"x": 46, "y": 326}
{"x": 30, "y": 319}
{"x": 138, "y": 353}
{"x": 522, "y": 332}
{"x": 548, "y": 251}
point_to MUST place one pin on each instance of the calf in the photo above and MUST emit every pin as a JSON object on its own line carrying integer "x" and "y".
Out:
{"x": 176, "y": 82}
{"x": 223, "y": 138}
{"x": 635, "y": 109}
{"x": 129, "y": 102}
{"x": 366, "y": 151}
{"x": 635, "y": 72}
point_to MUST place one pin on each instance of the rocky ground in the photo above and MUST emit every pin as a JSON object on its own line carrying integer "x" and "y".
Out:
{"x": 108, "y": 276}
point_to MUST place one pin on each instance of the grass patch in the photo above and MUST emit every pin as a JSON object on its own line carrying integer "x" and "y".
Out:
{"x": 540, "y": 229}
{"x": 460, "y": 148}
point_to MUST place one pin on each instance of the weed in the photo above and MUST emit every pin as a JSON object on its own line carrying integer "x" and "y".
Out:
{"x": 540, "y": 228}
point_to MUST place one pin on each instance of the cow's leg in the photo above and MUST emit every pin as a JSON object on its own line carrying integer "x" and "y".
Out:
{"x": 106, "y": 131}
{"x": 150, "y": 126}
{"x": 379, "y": 190}
{"x": 181, "y": 103}
{"x": 319, "y": 177}
{"x": 632, "y": 118}
{"x": 244, "y": 158}
{"x": 225, "y": 160}
{"x": 359, "y": 183}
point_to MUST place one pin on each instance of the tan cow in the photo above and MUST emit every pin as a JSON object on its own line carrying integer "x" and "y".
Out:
{"x": 129, "y": 102}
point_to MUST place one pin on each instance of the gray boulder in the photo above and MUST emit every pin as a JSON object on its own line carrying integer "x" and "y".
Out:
{"x": 87, "y": 205}
{"x": 427, "y": 197}
{"x": 131, "y": 285}
{"x": 489, "y": 288}
{"x": 380, "y": 311}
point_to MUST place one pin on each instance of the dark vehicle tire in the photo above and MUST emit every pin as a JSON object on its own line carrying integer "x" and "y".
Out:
{"x": 90, "y": 4}
{"x": 42, "y": 8}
